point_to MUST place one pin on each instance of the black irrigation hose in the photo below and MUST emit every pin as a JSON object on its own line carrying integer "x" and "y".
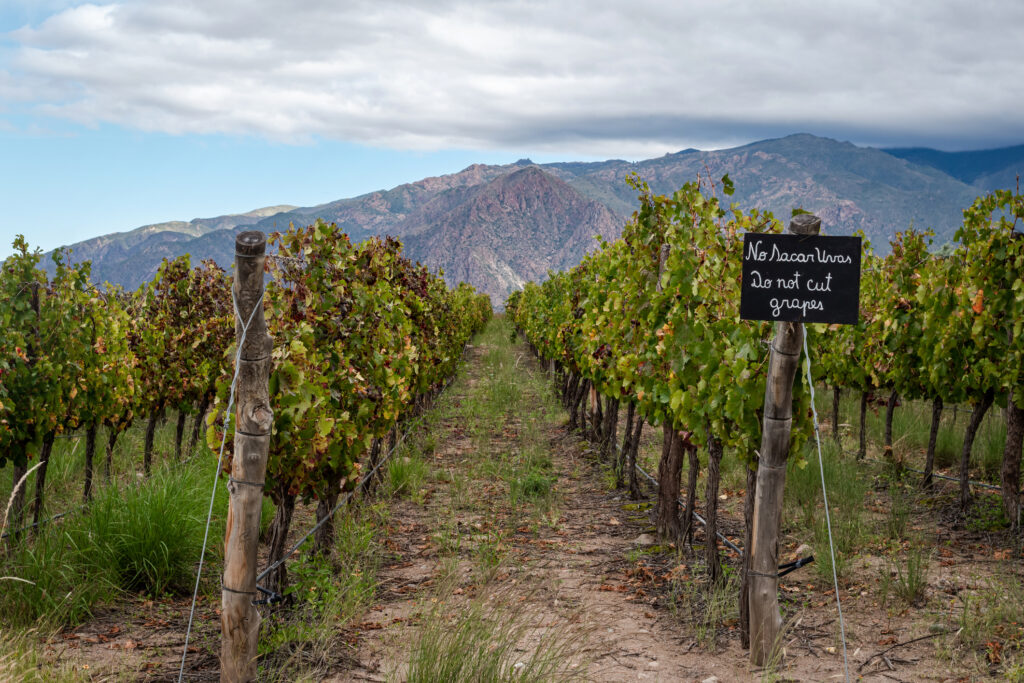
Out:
{"x": 41, "y": 522}
{"x": 972, "y": 482}
{"x": 788, "y": 567}
{"x": 785, "y": 568}
{"x": 793, "y": 566}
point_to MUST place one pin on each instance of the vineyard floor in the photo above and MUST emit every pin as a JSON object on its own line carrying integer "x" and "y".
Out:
{"x": 580, "y": 570}
{"x": 497, "y": 543}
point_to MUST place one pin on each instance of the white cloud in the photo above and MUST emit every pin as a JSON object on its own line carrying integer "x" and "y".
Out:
{"x": 578, "y": 77}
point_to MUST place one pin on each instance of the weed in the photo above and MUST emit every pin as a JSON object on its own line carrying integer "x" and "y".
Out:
{"x": 994, "y": 613}
{"x": 447, "y": 537}
{"x": 708, "y": 607}
{"x": 484, "y": 642}
{"x": 21, "y": 660}
{"x": 459, "y": 490}
{"x": 987, "y": 514}
{"x": 899, "y": 514}
{"x": 948, "y": 444}
{"x": 773, "y": 667}
{"x": 991, "y": 442}
{"x": 328, "y": 593}
{"x": 152, "y": 533}
{"x": 406, "y": 475}
{"x": 846, "y": 492}
{"x": 64, "y": 579}
{"x": 490, "y": 552}
{"x": 532, "y": 486}
{"x": 844, "y": 534}
{"x": 912, "y": 577}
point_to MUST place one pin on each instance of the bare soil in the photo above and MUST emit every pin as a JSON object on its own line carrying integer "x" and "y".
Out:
{"x": 588, "y": 570}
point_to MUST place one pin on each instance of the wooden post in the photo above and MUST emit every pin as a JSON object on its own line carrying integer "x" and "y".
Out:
{"x": 784, "y": 361}
{"x": 253, "y": 420}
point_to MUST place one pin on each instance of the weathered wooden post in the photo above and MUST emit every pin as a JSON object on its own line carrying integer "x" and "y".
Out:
{"x": 253, "y": 419}
{"x": 765, "y": 618}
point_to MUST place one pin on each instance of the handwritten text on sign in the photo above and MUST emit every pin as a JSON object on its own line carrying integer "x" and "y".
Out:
{"x": 812, "y": 279}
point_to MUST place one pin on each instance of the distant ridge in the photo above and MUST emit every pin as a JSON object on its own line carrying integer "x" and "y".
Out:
{"x": 497, "y": 226}
{"x": 987, "y": 169}
{"x": 114, "y": 256}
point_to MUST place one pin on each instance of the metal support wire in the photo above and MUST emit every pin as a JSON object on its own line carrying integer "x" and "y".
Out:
{"x": 936, "y": 475}
{"x": 824, "y": 494}
{"x": 341, "y": 501}
{"x": 700, "y": 519}
{"x": 41, "y": 522}
{"x": 216, "y": 473}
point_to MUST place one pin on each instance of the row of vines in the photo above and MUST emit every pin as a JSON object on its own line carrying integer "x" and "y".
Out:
{"x": 651, "y": 322}
{"x": 362, "y": 336}
{"x": 946, "y": 327}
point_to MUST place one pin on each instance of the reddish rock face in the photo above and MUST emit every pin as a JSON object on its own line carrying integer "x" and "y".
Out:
{"x": 497, "y": 227}
{"x": 512, "y": 230}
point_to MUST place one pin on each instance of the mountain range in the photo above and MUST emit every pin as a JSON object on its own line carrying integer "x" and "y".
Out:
{"x": 499, "y": 226}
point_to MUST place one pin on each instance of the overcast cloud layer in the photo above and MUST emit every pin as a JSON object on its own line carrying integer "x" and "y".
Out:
{"x": 632, "y": 79}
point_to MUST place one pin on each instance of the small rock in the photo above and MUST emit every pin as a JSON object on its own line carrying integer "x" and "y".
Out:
{"x": 653, "y": 665}
{"x": 803, "y": 551}
{"x": 710, "y": 679}
{"x": 645, "y": 539}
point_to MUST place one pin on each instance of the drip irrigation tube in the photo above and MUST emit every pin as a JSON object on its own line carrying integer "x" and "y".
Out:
{"x": 699, "y": 518}
{"x": 972, "y": 482}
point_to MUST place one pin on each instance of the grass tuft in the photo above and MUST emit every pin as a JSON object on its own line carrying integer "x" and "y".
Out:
{"x": 144, "y": 539}
{"x": 708, "y": 607}
{"x": 406, "y": 475}
{"x": 151, "y": 535}
{"x": 487, "y": 640}
{"x": 303, "y": 643}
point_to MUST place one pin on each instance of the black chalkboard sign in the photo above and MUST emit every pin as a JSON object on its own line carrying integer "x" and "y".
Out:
{"x": 811, "y": 279}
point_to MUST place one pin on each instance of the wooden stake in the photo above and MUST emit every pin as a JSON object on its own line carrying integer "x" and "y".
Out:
{"x": 239, "y": 620}
{"x": 765, "y": 618}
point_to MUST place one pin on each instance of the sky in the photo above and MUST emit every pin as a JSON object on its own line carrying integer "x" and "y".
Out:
{"x": 116, "y": 114}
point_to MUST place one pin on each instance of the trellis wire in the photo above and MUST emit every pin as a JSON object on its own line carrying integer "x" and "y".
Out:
{"x": 348, "y": 494}
{"x": 700, "y": 519}
{"x": 936, "y": 475}
{"x": 216, "y": 472}
{"x": 824, "y": 494}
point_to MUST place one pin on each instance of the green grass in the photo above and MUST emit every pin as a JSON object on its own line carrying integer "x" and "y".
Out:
{"x": 151, "y": 535}
{"x": 143, "y": 539}
{"x": 406, "y": 474}
{"x": 803, "y": 505}
{"x": 484, "y": 641}
{"x": 301, "y": 643}
{"x": 531, "y": 486}
{"x": 708, "y": 608}
{"x": 911, "y": 424}
{"x": 991, "y": 618}
{"x": 905, "y": 575}
{"x": 65, "y": 476}
{"x": 899, "y": 513}
{"x": 21, "y": 660}
{"x": 912, "y": 576}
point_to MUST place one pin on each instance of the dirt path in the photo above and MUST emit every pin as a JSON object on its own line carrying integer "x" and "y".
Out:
{"x": 572, "y": 560}
{"x": 581, "y": 563}
{"x": 503, "y": 544}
